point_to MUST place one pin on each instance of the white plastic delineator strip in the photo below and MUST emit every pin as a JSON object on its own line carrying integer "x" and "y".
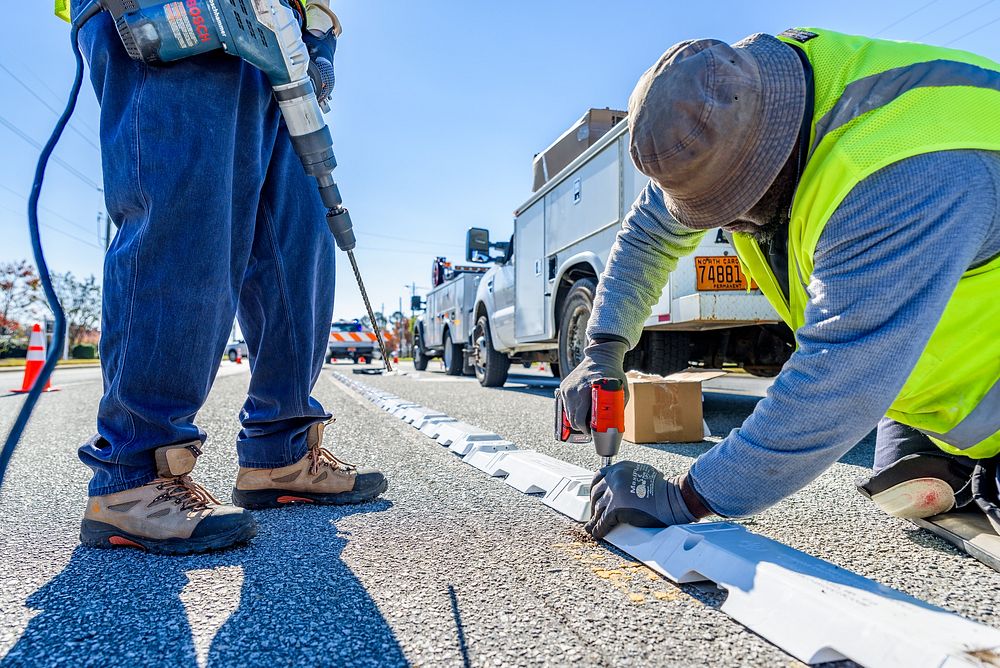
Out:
{"x": 465, "y": 445}
{"x": 452, "y": 432}
{"x": 571, "y": 497}
{"x": 400, "y": 410}
{"x": 414, "y": 413}
{"x": 460, "y": 437}
{"x": 389, "y": 405}
{"x": 815, "y": 611}
{"x": 810, "y": 608}
{"x": 534, "y": 472}
{"x": 479, "y": 454}
{"x": 431, "y": 427}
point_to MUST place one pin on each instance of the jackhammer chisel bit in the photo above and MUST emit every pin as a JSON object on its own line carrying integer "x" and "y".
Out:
{"x": 339, "y": 221}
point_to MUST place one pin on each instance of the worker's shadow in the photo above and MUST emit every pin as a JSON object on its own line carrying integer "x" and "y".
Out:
{"x": 297, "y": 604}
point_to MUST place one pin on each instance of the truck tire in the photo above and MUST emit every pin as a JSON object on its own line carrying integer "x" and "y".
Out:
{"x": 491, "y": 366}
{"x": 669, "y": 352}
{"x": 452, "y": 355}
{"x": 573, "y": 321}
{"x": 420, "y": 358}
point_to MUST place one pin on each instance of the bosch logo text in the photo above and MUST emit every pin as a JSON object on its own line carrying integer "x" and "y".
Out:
{"x": 198, "y": 21}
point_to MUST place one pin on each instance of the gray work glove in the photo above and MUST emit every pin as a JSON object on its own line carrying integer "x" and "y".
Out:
{"x": 636, "y": 494}
{"x": 604, "y": 359}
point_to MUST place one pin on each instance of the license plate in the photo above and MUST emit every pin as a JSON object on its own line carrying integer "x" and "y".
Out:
{"x": 720, "y": 272}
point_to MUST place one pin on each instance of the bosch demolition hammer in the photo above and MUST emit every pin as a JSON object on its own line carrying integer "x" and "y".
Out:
{"x": 268, "y": 34}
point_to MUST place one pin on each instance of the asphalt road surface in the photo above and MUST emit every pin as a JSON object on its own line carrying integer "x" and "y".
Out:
{"x": 450, "y": 568}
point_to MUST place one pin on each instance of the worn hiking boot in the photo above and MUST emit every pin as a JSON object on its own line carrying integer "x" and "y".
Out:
{"x": 170, "y": 515}
{"x": 319, "y": 477}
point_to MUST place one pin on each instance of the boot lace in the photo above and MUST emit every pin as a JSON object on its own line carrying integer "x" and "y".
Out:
{"x": 185, "y": 492}
{"x": 321, "y": 457}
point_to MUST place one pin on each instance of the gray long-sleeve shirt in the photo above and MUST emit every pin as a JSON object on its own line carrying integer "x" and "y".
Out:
{"x": 885, "y": 267}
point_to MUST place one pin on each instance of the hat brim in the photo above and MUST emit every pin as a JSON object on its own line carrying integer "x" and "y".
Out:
{"x": 754, "y": 169}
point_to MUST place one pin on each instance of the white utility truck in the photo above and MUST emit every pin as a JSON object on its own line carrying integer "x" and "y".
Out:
{"x": 445, "y": 326}
{"x": 535, "y": 301}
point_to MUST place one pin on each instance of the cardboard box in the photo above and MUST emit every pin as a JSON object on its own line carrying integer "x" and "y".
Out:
{"x": 582, "y": 135}
{"x": 666, "y": 408}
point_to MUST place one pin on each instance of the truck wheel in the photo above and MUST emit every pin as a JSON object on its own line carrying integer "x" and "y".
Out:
{"x": 491, "y": 366}
{"x": 453, "y": 364}
{"x": 420, "y": 358}
{"x": 573, "y": 323}
{"x": 669, "y": 352}
{"x": 232, "y": 355}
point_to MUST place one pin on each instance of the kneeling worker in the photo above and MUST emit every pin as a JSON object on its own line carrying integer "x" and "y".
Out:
{"x": 860, "y": 182}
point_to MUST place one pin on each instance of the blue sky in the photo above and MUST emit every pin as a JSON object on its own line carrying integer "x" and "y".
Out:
{"x": 439, "y": 108}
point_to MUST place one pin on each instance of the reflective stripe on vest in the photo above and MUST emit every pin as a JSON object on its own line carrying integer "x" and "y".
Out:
{"x": 880, "y": 89}
{"x": 977, "y": 426}
{"x": 876, "y": 103}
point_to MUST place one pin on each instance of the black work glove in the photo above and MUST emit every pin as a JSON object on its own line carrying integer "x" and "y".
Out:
{"x": 635, "y": 494}
{"x": 322, "y": 47}
{"x": 604, "y": 359}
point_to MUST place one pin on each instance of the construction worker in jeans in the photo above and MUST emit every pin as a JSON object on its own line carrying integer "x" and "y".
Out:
{"x": 859, "y": 182}
{"x": 216, "y": 219}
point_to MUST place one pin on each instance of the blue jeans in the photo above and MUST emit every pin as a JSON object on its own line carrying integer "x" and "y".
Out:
{"x": 216, "y": 218}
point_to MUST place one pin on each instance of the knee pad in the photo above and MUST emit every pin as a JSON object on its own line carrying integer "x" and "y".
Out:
{"x": 916, "y": 499}
{"x": 919, "y": 486}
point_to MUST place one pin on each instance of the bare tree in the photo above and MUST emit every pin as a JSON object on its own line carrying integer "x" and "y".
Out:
{"x": 81, "y": 301}
{"x": 379, "y": 318}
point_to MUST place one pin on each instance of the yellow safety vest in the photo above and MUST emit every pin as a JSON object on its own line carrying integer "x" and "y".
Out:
{"x": 878, "y": 102}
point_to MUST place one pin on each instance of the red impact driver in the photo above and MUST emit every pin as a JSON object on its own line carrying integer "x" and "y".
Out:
{"x": 607, "y": 419}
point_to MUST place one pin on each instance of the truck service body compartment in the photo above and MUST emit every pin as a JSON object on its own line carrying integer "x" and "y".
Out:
{"x": 449, "y": 306}
{"x": 574, "y": 219}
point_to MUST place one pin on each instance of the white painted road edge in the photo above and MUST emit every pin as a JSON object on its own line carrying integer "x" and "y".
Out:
{"x": 815, "y": 611}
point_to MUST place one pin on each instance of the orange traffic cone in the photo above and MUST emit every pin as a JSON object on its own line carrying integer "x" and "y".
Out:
{"x": 35, "y": 361}
{"x": 239, "y": 355}
{"x": 395, "y": 359}
{"x": 362, "y": 360}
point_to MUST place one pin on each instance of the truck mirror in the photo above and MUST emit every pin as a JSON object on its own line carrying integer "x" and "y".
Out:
{"x": 477, "y": 245}
{"x": 416, "y": 303}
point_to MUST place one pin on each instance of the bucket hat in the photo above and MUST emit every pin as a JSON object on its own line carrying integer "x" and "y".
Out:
{"x": 713, "y": 124}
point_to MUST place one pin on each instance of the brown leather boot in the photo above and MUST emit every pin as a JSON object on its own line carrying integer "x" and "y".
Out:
{"x": 170, "y": 515}
{"x": 319, "y": 477}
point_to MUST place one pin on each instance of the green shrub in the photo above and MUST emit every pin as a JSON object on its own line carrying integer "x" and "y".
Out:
{"x": 84, "y": 351}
